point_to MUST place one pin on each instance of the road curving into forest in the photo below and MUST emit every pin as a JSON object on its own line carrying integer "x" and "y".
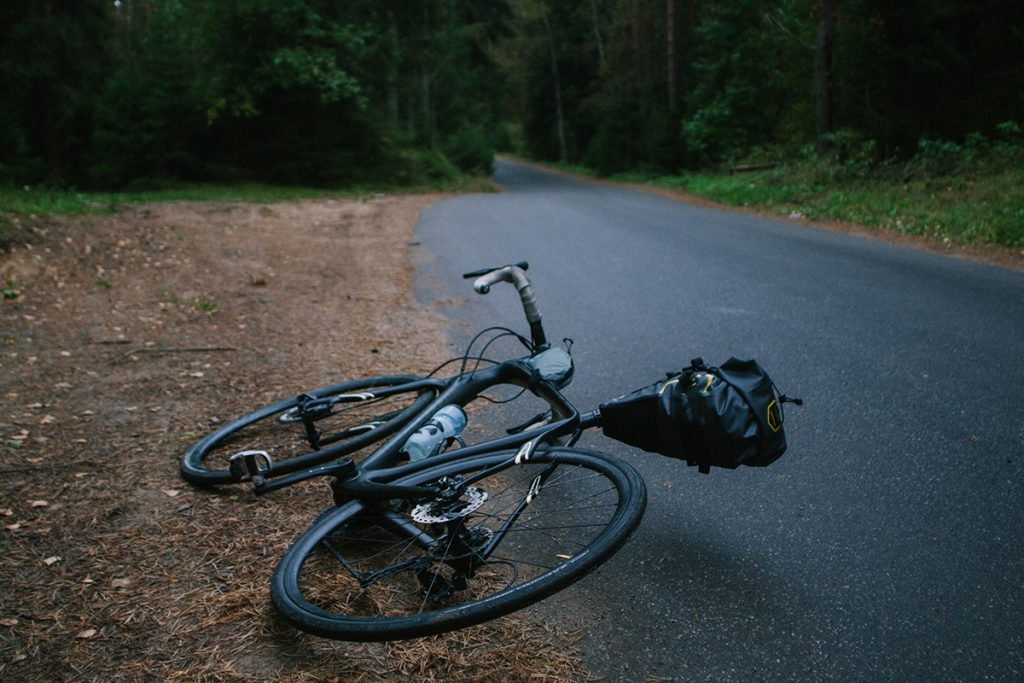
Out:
{"x": 886, "y": 544}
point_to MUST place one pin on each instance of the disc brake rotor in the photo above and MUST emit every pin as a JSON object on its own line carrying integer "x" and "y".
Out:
{"x": 443, "y": 511}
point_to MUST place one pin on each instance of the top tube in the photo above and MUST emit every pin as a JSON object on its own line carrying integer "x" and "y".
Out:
{"x": 461, "y": 390}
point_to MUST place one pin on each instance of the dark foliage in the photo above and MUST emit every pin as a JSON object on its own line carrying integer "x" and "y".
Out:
{"x": 659, "y": 84}
{"x": 103, "y": 93}
{"x": 110, "y": 94}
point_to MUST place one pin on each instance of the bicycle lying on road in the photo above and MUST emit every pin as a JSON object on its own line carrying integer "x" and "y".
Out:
{"x": 425, "y": 537}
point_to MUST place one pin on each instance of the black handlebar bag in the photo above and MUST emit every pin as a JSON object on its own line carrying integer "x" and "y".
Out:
{"x": 723, "y": 416}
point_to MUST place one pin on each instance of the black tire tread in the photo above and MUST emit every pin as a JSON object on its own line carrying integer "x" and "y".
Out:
{"x": 194, "y": 470}
{"x": 328, "y": 625}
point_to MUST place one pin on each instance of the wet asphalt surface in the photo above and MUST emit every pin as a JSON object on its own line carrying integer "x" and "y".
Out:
{"x": 887, "y": 544}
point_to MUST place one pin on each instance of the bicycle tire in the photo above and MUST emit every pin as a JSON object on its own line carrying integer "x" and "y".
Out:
{"x": 343, "y": 429}
{"x": 347, "y": 597}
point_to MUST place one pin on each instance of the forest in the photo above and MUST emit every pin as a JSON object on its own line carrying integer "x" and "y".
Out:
{"x": 100, "y": 94}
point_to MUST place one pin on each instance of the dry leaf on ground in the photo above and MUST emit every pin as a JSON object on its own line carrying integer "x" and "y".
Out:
{"x": 334, "y": 300}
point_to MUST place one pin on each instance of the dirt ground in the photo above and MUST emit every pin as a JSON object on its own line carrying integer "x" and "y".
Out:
{"x": 125, "y": 337}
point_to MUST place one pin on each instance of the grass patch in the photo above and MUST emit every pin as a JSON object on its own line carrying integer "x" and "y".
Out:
{"x": 26, "y": 201}
{"x": 177, "y": 437}
{"x": 963, "y": 208}
{"x": 205, "y": 305}
{"x": 17, "y": 203}
{"x": 967, "y": 195}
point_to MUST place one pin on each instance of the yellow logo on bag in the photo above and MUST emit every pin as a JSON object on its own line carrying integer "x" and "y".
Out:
{"x": 694, "y": 381}
{"x": 774, "y": 416}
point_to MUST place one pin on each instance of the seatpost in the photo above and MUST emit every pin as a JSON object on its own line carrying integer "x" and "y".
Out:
{"x": 517, "y": 276}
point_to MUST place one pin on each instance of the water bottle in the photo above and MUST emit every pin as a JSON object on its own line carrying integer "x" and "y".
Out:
{"x": 446, "y": 423}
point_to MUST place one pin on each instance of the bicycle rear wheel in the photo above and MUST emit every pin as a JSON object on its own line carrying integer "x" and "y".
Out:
{"x": 514, "y": 534}
{"x": 308, "y": 429}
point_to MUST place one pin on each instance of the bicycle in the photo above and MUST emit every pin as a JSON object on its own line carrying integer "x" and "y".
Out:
{"x": 468, "y": 534}
{"x": 340, "y": 419}
{"x": 455, "y": 539}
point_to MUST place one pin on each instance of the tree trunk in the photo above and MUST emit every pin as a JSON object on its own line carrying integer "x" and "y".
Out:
{"x": 563, "y": 155}
{"x": 597, "y": 33}
{"x": 670, "y": 53}
{"x": 426, "y": 81}
{"x": 823, "y": 96}
{"x": 428, "y": 107}
{"x": 393, "y": 72}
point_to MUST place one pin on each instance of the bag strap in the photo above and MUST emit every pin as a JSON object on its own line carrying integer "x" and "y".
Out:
{"x": 780, "y": 398}
{"x": 667, "y": 420}
{"x": 763, "y": 429}
{"x": 667, "y": 432}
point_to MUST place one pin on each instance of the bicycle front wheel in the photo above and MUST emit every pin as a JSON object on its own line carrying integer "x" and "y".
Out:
{"x": 501, "y": 535}
{"x": 309, "y": 429}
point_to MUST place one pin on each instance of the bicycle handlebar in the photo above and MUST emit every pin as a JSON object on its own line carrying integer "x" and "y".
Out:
{"x": 514, "y": 273}
{"x": 483, "y": 271}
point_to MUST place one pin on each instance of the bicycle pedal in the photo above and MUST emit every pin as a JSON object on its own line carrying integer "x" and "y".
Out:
{"x": 250, "y": 466}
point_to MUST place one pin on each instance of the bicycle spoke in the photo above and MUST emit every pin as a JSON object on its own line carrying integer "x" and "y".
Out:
{"x": 496, "y": 535}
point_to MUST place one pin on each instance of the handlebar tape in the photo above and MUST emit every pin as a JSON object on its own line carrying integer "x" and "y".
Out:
{"x": 483, "y": 271}
{"x": 515, "y": 275}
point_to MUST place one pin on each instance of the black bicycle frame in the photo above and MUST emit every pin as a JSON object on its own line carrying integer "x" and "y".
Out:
{"x": 373, "y": 476}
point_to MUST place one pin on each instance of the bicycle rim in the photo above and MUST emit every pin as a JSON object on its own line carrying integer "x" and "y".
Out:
{"x": 410, "y": 569}
{"x": 308, "y": 429}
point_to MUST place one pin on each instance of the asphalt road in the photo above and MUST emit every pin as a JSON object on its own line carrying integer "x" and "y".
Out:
{"x": 887, "y": 544}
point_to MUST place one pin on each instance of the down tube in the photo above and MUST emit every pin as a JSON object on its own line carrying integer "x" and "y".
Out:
{"x": 379, "y": 466}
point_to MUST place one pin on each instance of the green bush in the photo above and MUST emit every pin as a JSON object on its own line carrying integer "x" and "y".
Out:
{"x": 415, "y": 166}
{"x": 605, "y": 153}
{"x": 705, "y": 134}
{"x": 1009, "y": 140}
{"x": 1010, "y": 131}
{"x": 848, "y": 154}
{"x": 509, "y": 138}
{"x": 470, "y": 150}
{"x": 938, "y": 157}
